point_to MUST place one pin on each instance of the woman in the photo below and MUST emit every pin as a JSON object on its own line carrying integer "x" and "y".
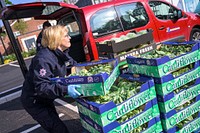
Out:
{"x": 38, "y": 93}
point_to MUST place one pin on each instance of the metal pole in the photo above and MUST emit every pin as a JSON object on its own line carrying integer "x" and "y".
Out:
{"x": 1, "y": 57}
{"x": 14, "y": 43}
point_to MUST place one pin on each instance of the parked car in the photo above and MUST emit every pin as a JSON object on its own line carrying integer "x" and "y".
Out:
{"x": 96, "y": 23}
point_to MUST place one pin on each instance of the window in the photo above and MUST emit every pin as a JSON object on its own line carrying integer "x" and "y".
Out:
{"x": 132, "y": 15}
{"x": 17, "y": 33}
{"x": 27, "y": 19}
{"x": 50, "y": 9}
{"x": 162, "y": 10}
{"x": 29, "y": 42}
{"x": 71, "y": 24}
{"x": 100, "y": 1}
{"x": 39, "y": 27}
{"x": 105, "y": 22}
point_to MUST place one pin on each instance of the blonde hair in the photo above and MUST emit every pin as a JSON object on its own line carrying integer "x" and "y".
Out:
{"x": 52, "y": 36}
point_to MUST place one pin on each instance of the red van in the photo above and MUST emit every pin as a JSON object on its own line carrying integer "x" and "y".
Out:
{"x": 95, "y": 23}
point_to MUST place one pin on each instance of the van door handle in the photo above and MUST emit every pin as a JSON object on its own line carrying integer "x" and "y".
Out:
{"x": 162, "y": 28}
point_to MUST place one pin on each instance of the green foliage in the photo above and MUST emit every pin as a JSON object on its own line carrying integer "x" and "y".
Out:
{"x": 31, "y": 52}
{"x": 20, "y": 26}
{"x": 8, "y": 2}
{"x": 3, "y": 34}
{"x": 12, "y": 57}
{"x": 25, "y": 54}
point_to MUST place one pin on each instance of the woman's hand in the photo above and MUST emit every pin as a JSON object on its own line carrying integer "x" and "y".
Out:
{"x": 73, "y": 92}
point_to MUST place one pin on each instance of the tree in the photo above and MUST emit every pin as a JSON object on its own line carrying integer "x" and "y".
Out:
{"x": 20, "y": 26}
{"x": 8, "y": 2}
{"x": 66, "y": 1}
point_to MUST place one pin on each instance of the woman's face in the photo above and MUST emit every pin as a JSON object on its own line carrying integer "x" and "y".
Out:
{"x": 65, "y": 42}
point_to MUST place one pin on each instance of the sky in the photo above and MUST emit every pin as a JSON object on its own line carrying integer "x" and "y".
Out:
{"x": 27, "y": 1}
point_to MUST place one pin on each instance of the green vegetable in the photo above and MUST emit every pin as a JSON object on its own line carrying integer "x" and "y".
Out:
{"x": 181, "y": 124}
{"x": 100, "y": 68}
{"x": 168, "y": 50}
{"x": 120, "y": 91}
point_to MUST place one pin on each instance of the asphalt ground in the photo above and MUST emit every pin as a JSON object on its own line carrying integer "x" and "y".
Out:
{"x": 10, "y": 77}
{"x": 14, "y": 119}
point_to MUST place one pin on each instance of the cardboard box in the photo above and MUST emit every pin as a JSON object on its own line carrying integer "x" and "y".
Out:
{"x": 153, "y": 127}
{"x": 170, "y": 119}
{"x": 191, "y": 127}
{"x": 171, "y": 101}
{"x": 159, "y": 67}
{"x": 104, "y": 114}
{"x": 150, "y": 115}
{"x": 93, "y": 85}
{"x": 169, "y": 83}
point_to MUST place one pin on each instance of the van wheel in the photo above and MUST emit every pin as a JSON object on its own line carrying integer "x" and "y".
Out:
{"x": 195, "y": 34}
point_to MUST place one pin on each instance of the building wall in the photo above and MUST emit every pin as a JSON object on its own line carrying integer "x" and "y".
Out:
{"x": 32, "y": 33}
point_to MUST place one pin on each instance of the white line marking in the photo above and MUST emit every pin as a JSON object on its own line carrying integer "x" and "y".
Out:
{"x": 67, "y": 105}
{"x": 11, "y": 89}
{"x": 14, "y": 65}
{"x": 10, "y": 97}
{"x": 38, "y": 125}
{"x": 31, "y": 129}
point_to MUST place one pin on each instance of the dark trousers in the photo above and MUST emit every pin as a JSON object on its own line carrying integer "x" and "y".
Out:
{"x": 45, "y": 114}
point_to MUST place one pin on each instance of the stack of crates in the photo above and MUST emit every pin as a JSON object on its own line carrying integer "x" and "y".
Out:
{"x": 125, "y": 112}
{"x": 137, "y": 112}
{"x": 178, "y": 95}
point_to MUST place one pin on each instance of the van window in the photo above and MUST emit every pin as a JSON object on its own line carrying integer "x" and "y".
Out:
{"x": 76, "y": 50}
{"x": 163, "y": 10}
{"x": 72, "y": 25}
{"x": 105, "y": 22}
{"x": 50, "y": 9}
{"x": 128, "y": 16}
{"x": 132, "y": 15}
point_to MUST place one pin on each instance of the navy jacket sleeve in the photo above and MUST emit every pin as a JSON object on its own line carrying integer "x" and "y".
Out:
{"x": 43, "y": 71}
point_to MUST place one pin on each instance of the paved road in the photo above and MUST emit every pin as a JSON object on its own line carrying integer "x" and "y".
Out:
{"x": 11, "y": 79}
{"x": 14, "y": 119}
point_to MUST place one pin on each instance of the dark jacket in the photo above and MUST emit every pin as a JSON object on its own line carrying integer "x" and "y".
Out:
{"x": 45, "y": 65}
{"x": 38, "y": 42}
